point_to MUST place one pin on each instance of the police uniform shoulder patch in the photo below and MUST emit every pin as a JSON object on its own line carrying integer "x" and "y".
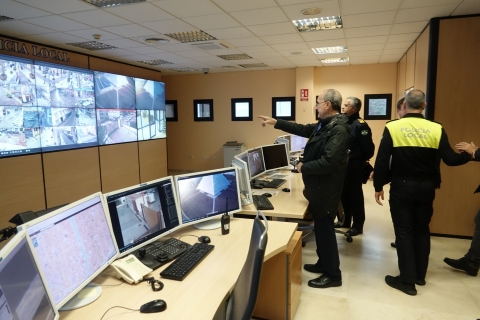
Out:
{"x": 364, "y": 132}
{"x": 361, "y": 120}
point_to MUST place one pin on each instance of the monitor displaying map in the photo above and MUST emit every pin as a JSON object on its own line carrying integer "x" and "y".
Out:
{"x": 72, "y": 245}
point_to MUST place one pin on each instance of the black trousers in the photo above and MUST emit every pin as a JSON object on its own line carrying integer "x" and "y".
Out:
{"x": 352, "y": 194}
{"x": 411, "y": 207}
{"x": 473, "y": 255}
{"x": 327, "y": 249}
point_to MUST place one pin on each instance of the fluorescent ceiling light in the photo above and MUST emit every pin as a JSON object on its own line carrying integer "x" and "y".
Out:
{"x": 157, "y": 62}
{"x": 335, "y": 60}
{"x": 240, "y": 56}
{"x": 327, "y": 50}
{"x": 315, "y": 24}
{"x": 110, "y": 3}
{"x": 191, "y": 36}
{"x": 92, "y": 45}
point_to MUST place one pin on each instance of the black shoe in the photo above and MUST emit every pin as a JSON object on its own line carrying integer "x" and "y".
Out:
{"x": 339, "y": 224}
{"x": 393, "y": 244}
{"x": 312, "y": 268}
{"x": 461, "y": 264}
{"x": 324, "y": 282}
{"x": 420, "y": 282}
{"x": 396, "y": 283}
{"x": 352, "y": 232}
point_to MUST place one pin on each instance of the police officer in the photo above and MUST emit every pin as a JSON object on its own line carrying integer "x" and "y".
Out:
{"x": 415, "y": 146}
{"x": 361, "y": 148}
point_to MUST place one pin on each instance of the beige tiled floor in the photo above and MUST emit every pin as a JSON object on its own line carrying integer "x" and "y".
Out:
{"x": 449, "y": 294}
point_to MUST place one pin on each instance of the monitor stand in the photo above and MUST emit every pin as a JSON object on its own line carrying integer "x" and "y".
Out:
{"x": 87, "y": 295}
{"x": 208, "y": 225}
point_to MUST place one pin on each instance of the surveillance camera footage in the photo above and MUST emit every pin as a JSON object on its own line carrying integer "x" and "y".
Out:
{"x": 116, "y": 126}
{"x": 114, "y": 91}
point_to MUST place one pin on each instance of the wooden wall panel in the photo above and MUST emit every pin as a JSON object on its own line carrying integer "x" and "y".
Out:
{"x": 153, "y": 159}
{"x": 119, "y": 166}
{"x": 421, "y": 60}
{"x": 124, "y": 69}
{"x": 71, "y": 175}
{"x": 401, "y": 84}
{"x": 410, "y": 67}
{"x": 21, "y": 186}
{"x": 456, "y": 93}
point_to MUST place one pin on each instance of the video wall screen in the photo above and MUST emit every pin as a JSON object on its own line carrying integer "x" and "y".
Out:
{"x": 47, "y": 107}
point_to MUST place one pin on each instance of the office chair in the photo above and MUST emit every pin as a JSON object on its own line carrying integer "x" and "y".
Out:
{"x": 243, "y": 298}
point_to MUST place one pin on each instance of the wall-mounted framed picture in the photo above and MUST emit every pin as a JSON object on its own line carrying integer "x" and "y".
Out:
{"x": 283, "y": 108}
{"x": 242, "y": 109}
{"x": 171, "y": 111}
{"x": 378, "y": 106}
{"x": 203, "y": 110}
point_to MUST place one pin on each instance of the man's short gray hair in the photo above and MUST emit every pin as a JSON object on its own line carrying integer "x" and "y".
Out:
{"x": 415, "y": 99}
{"x": 335, "y": 99}
{"x": 400, "y": 102}
{"x": 355, "y": 102}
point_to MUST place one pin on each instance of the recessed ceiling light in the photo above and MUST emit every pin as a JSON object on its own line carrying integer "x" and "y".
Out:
{"x": 191, "y": 36}
{"x": 156, "y": 40}
{"x": 316, "y": 24}
{"x": 240, "y": 56}
{"x": 157, "y": 62}
{"x": 335, "y": 60}
{"x": 110, "y": 3}
{"x": 327, "y": 50}
{"x": 92, "y": 45}
{"x": 253, "y": 65}
{"x": 311, "y": 11}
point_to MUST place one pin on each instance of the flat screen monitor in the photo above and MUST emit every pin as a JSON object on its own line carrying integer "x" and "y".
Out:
{"x": 23, "y": 294}
{"x": 114, "y": 91}
{"x": 143, "y": 213}
{"x": 244, "y": 179}
{"x": 150, "y": 95}
{"x": 275, "y": 156}
{"x": 71, "y": 246}
{"x": 151, "y": 124}
{"x": 256, "y": 164}
{"x": 203, "y": 196}
{"x": 242, "y": 156}
{"x": 297, "y": 143}
{"x": 116, "y": 126}
{"x": 285, "y": 141}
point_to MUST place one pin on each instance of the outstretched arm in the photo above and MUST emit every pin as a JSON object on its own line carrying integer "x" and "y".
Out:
{"x": 267, "y": 120}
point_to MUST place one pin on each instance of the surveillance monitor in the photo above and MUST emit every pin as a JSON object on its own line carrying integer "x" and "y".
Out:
{"x": 143, "y": 213}
{"x": 244, "y": 178}
{"x": 23, "y": 294}
{"x": 71, "y": 246}
{"x": 205, "y": 196}
{"x": 275, "y": 156}
{"x": 256, "y": 164}
{"x": 298, "y": 143}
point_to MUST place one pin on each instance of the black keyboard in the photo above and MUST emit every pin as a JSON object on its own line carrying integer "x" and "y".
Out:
{"x": 181, "y": 267}
{"x": 159, "y": 253}
{"x": 261, "y": 202}
{"x": 274, "y": 183}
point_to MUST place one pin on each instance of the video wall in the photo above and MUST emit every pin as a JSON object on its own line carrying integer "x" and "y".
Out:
{"x": 48, "y": 107}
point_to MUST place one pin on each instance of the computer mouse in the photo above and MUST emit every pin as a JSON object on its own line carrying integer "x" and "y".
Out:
{"x": 153, "y": 306}
{"x": 268, "y": 195}
{"x": 204, "y": 239}
{"x": 286, "y": 190}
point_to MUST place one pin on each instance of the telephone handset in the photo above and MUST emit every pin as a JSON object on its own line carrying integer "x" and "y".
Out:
{"x": 130, "y": 269}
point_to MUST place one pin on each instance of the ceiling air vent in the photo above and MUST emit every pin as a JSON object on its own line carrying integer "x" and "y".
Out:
{"x": 212, "y": 45}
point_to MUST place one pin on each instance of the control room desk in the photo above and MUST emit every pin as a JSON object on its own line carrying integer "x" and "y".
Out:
{"x": 286, "y": 204}
{"x": 202, "y": 292}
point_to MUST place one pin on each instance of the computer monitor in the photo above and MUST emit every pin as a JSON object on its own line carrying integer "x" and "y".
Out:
{"x": 275, "y": 156}
{"x": 204, "y": 195}
{"x": 256, "y": 164}
{"x": 244, "y": 179}
{"x": 285, "y": 141}
{"x": 143, "y": 213}
{"x": 23, "y": 294}
{"x": 297, "y": 143}
{"x": 71, "y": 246}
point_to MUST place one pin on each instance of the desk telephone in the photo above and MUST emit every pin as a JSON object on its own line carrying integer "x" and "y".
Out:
{"x": 130, "y": 269}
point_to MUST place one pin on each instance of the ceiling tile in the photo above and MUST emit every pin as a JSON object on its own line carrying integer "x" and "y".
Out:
{"x": 130, "y": 30}
{"x": 177, "y": 47}
{"x": 260, "y": 55}
{"x": 88, "y": 34}
{"x": 260, "y": 16}
{"x": 246, "y": 42}
{"x": 290, "y": 46}
{"x": 184, "y": 8}
{"x": 231, "y": 6}
{"x": 329, "y": 8}
{"x": 195, "y": 53}
{"x": 20, "y": 11}
{"x": 326, "y": 43}
{"x": 146, "y": 50}
{"x": 168, "y": 26}
{"x": 403, "y": 37}
{"x": 57, "y": 23}
{"x": 364, "y": 6}
{"x": 112, "y": 53}
{"x": 14, "y": 27}
{"x": 372, "y": 53}
{"x": 304, "y": 53}
{"x": 59, "y": 7}
{"x": 365, "y": 47}
{"x": 368, "y": 19}
{"x": 214, "y": 21}
{"x": 406, "y": 4}
{"x": 366, "y": 40}
{"x": 230, "y": 33}
{"x": 323, "y": 35}
{"x": 409, "y": 27}
{"x": 468, "y": 8}
{"x": 301, "y": 57}
{"x": 140, "y": 12}
{"x": 289, "y": 2}
{"x": 284, "y": 38}
{"x": 423, "y": 14}
{"x": 398, "y": 45}
{"x": 273, "y": 29}
{"x": 363, "y": 60}
{"x": 210, "y": 59}
{"x": 96, "y": 18}
{"x": 367, "y": 31}
{"x": 254, "y": 49}
{"x": 122, "y": 43}
{"x": 301, "y": 63}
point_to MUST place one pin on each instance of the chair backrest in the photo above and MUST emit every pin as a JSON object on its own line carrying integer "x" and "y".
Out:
{"x": 242, "y": 301}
